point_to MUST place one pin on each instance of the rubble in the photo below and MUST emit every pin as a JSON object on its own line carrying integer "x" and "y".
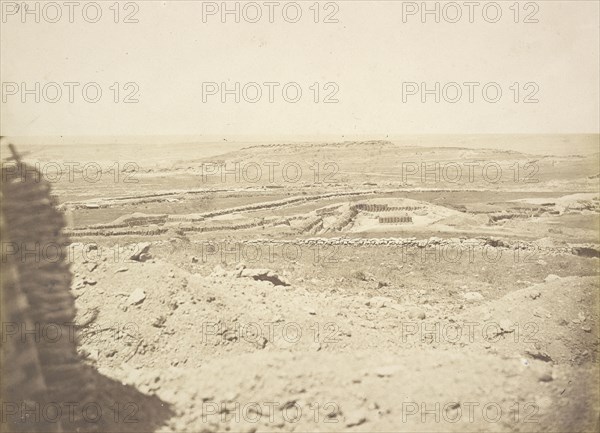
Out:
{"x": 136, "y": 297}
{"x": 140, "y": 252}
{"x": 472, "y": 296}
{"x": 263, "y": 275}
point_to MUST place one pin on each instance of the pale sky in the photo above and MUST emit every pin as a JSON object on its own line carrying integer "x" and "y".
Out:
{"x": 368, "y": 54}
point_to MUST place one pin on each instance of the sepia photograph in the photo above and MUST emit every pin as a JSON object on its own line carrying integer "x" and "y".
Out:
{"x": 300, "y": 216}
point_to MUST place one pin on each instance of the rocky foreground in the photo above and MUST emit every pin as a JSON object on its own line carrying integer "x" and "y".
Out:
{"x": 243, "y": 348}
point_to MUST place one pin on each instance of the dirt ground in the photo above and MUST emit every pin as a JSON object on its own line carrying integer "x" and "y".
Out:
{"x": 358, "y": 358}
{"x": 242, "y": 307}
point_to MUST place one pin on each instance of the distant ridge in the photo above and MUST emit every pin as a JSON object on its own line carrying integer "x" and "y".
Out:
{"x": 335, "y": 144}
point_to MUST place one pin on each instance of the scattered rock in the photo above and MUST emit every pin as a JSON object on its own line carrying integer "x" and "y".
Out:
{"x": 79, "y": 285}
{"x": 355, "y": 419}
{"x": 144, "y": 257}
{"x": 140, "y": 252}
{"x": 123, "y": 269}
{"x": 551, "y": 277}
{"x": 360, "y": 275}
{"x": 537, "y": 354}
{"x": 261, "y": 342}
{"x": 373, "y": 405}
{"x": 264, "y": 275}
{"x": 496, "y": 242}
{"x": 310, "y": 310}
{"x": 379, "y": 301}
{"x": 136, "y": 297}
{"x": 587, "y": 328}
{"x": 218, "y": 271}
{"x": 159, "y": 321}
{"x": 472, "y": 296}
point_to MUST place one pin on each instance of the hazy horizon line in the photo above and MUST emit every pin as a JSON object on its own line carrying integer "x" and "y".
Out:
{"x": 279, "y": 139}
